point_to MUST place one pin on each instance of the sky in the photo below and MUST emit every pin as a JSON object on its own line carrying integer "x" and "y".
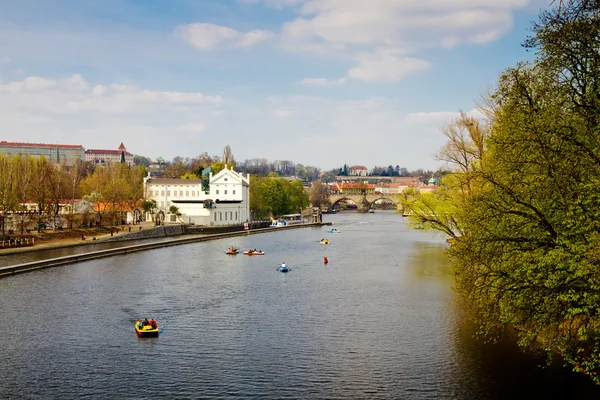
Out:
{"x": 317, "y": 82}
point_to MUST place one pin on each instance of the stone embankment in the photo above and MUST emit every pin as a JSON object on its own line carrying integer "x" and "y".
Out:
{"x": 175, "y": 230}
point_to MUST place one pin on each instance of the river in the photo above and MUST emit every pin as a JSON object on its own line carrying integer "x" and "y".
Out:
{"x": 380, "y": 320}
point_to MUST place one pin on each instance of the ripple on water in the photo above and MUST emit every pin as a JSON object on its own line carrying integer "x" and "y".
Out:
{"x": 378, "y": 321}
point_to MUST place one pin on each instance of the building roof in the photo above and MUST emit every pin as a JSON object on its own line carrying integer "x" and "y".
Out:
{"x": 23, "y": 144}
{"x": 358, "y": 167}
{"x": 122, "y": 147}
{"x": 172, "y": 181}
{"x": 112, "y": 152}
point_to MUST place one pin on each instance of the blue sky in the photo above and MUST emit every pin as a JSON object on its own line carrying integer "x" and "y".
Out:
{"x": 317, "y": 82}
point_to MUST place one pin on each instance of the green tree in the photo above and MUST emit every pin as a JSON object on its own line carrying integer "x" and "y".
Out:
{"x": 174, "y": 210}
{"x": 149, "y": 207}
{"x": 526, "y": 194}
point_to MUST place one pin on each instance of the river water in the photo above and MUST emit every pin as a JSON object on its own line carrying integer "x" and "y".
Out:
{"x": 380, "y": 320}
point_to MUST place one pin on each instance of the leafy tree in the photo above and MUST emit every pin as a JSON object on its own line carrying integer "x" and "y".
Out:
{"x": 149, "y": 207}
{"x": 174, "y": 210}
{"x": 275, "y": 196}
{"x": 524, "y": 194}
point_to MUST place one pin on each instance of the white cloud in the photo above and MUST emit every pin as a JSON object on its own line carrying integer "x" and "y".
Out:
{"x": 31, "y": 83}
{"x": 385, "y": 66}
{"x": 323, "y": 82}
{"x": 279, "y": 4}
{"x": 73, "y": 111}
{"x": 284, "y": 112}
{"x": 411, "y": 24}
{"x": 209, "y": 36}
{"x": 192, "y": 128}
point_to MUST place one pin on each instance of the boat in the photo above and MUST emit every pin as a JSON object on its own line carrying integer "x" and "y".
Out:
{"x": 232, "y": 251}
{"x": 254, "y": 253}
{"x": 283, "y": 268}
{"x": 334, "y": 231}
{"x": 147, "y": 330}
{"x": 288, "y": 219}
{"x": 371, "y": 210}
{"x": 324, "y": 241}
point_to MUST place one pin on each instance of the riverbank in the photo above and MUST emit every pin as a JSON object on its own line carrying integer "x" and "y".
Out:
{"x": 159, "y": 232}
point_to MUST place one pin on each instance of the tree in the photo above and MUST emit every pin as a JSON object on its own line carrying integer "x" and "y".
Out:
{"x": 149, "y": 207}
{"x": 174, "y": 210}
{"x": 275, "y": 196}
{"x": 228, "y": 156}
{"x": 525, "y": 194}
{"x": 318, "y": 196}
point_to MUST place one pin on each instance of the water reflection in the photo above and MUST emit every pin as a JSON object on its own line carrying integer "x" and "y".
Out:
{"x": 379, "y": 321}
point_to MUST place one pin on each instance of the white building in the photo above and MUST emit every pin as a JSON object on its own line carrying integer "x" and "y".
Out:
{"x": 358, "y": 170}
{"x": 226, "y": 202}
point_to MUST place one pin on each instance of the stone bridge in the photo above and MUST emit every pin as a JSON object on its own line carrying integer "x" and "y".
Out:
{"x": 364, "y": 201}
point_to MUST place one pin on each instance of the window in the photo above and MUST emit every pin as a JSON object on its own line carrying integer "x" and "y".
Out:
{"x": 168, "y": 193}
{"x": 181, "y": 193}
{"x": 220, "y": 216}
{"x": 225, "y": 191}
{"x": 236, "y": 216}
{"x": 231, "y": 215}
{"x": 225, "y": 215}
{"x": 225, "y": 179}
{"x": 187, "y": 193}
{"x": 217, "y": 191}
{"x": 215, "y": 216}
{"x": 233, "y": 191}
{"x": 162, "y": 192}
{"x": 193, "y": 193}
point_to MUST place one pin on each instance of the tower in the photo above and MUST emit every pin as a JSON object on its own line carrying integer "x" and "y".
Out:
{"x": 122, "y": 149}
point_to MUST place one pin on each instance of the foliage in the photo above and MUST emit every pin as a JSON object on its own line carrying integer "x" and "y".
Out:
{"x": 174, "y": 210}
{"x": 524, "y": 194}
{"x": 275, "y": 196}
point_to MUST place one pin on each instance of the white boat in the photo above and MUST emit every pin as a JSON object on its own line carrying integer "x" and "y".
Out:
{"x": 288, "y": 219}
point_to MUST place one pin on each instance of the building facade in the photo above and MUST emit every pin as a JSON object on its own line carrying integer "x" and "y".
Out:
{"x": 65, "y": 154}
{"x": 358, "y": 170}
{"x": 103, "y": 157}
{"x": 225, "y": 201}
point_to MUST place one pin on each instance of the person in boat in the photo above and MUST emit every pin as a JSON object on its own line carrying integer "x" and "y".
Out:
{"x": 146, "y": 322}
{"x": 283, "y": 266}
{"x": 138, "y": 324}
{"x": 153, "y": 323}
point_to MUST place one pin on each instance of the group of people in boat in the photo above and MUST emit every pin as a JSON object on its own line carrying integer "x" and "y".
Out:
{"x": 232, "y": 249}
{"x": 250, "y": 251}
{"x": 141, "y": 324}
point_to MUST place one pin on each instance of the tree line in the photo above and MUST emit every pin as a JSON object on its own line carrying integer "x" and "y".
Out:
{"x": 522, "y": 202}
{"x": 35, "y": 180}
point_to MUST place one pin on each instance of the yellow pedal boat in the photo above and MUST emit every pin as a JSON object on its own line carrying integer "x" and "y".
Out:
{"x": 146, "y": 331}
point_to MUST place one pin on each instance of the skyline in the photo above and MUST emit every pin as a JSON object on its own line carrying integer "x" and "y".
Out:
{"x": 319, "y": 82}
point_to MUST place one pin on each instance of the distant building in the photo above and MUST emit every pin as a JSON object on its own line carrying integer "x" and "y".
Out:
{"x": 66, "y": 154}
{"x": 103, "y": 157}
{"x": 226, "y": 202}
{"x": 354, "y": 188}
{"x": 358, "y": 170}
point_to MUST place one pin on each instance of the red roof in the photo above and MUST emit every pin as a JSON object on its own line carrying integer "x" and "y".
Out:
{"x": 115, "y": 152}
{"x": 358, "y": 167}
{"x": 122, "y": 146}
{"x": 60, "y": 146}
